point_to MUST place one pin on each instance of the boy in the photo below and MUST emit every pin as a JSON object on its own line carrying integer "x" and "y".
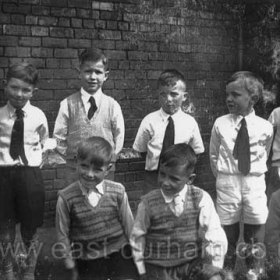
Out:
{"x": 94, "y": 217}
{"x": 176, "y": 225}
{"x": 166, "y": 126}
{"x": 23, "y": 130}
{"x": 89, "y": 112}
{"x": 239, "y": 146}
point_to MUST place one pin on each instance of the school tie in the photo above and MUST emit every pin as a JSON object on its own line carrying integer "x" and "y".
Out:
{"x": 241, "y": 150}
{"x": 17, "y": 144}
{"x": 92, "y": 108}
{"x": 178, "y": 205}
{"x": 168, "y": 139}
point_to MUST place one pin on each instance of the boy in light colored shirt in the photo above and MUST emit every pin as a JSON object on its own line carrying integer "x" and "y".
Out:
{"x": 89, "y": 112}
{"x": 23, "y": 133}
{"x": 239, "y": 147}
{"x": 176, "y": 229}
{"x": 94, "y": 219}
{"x": 151, "y": 133}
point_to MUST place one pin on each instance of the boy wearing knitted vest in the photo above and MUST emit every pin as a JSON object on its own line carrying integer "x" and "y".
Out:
{"x": 239, "y": 147}
{"x": 94, "y": 219}
{"x": 176, "y": 228}
{"x": 89, "y": 112}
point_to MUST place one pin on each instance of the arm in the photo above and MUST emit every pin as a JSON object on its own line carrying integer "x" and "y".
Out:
{"x": 142, "y": 138}
{"x": 197, "y": 143}
{"x": 214, "y": 149}
{"x": 118, "y": 128}
{"x": 212, "y": 231}
{"x": 62, "y": 231}
{"x": 43, "y": 131}
{"x": 272, "y": 227}
{"x": 61, "y": 127}
{"x": 126, "y": 216}
{"x": 137, "y": 237}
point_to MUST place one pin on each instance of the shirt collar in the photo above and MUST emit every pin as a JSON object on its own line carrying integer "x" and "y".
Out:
{"x": 98, "y": 187}
{"x": 12, "y": 109}
{"x": 165, "y": 116}
{"x": 237, "y": 118}
{"x": 182, "y": 194}
{"x": 96, "y": 95}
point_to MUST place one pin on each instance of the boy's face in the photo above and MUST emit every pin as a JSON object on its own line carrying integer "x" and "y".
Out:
{"x": 172, "y": 97}
{"x": 89, "y": 174}
{"x": 173, "y": 179}
{"x": 18, "y": 92}
{"x": 239, "y": 101}
{"x": 93, "y": 75}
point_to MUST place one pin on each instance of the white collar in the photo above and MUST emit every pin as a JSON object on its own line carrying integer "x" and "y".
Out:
{"x": 165, "y": 116}
{"x": 98, "y": 187}
{"x": 181, "y": 193}
{"x": 97, "y": 96}
{"x": 12, "y": 109}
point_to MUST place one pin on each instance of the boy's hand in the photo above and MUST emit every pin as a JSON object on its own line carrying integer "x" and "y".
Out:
{"x": 143, "y": 277}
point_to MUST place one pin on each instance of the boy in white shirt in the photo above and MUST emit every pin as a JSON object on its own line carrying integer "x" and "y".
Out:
{"x": 239, "y": 147}
{"x": 152, "y": 132}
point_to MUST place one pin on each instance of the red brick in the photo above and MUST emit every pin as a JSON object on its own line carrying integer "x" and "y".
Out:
{"x": 17, "y": 19}
{"x": 31, "y": 20}
{"x": 79, "y": 43}
{"x": 41, "y": 10}
{"x": 8, "y": 41}
{"x": 16, "y": 30}
{"x": 55, "y": 3}
{"x": 109, "y": 34}
{"x": 61, "y": 32}
{"x": 13, "y": 8}
{"x": 76, "y": 22}
{"x": 42, "y": 52}
{"x": 48, "y": 21}
{"x": 39, "y": 31}
{"x": 79, "y": 4}
{"x": 54, "y": 42}
{"x": 63, "y": 12}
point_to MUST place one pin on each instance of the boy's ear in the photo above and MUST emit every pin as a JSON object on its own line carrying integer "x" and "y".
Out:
{"x": 186, "y": 96}
{"x": 191, "y": 178}
{"x": 254, "y": 99}
{"x": 106, "y": 75}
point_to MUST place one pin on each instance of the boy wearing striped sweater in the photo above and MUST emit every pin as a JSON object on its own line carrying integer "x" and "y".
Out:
{"x": 94, "y": 219}
{"x": 176, "y": 229}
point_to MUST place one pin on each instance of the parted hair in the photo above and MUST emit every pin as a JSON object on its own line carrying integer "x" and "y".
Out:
{"x": 252, "y": 82}
{"x": 97, "y": 149}
{"x": 178, "y": 155}
{"x": 23, "y": 71}
{"x": 169, "y": 77}
{"x": 94, "y": 55}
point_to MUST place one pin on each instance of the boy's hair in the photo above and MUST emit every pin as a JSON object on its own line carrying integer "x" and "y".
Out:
{"x": 169, "y": 77}
{"x": 23, "y": 71}
{"x": 252, "y": 83}
{"x": 209, "y": 271}
{"x": 180, "y": 154}
{"x": 93, "y": 54}
{"x": 97, "y": 149}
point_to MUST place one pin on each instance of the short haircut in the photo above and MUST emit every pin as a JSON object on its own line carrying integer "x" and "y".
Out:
{"x": 97, "y": 149}
{"x": 252, "y": 82}
{"x": 169, "y": 77}
{"x": 178, "y": 155}
{"x": 23, "y": 71}
{"x": 94, "y": 55}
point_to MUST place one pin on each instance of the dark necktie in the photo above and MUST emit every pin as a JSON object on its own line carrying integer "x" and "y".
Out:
{"x": 17, "y": 144}
{"x": 241, "y": 150}
{"x": 168, "y": 139}
{"x": 92, "y": 108}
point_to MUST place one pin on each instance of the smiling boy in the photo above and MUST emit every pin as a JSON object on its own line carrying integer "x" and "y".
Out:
{"x": 239, "y": 147}
{"x": 23, "y": 133}
{"x": 153, "y": 129}
{"x": 176, "y": 229}
{"x": 89, "y": 112}
{"x": 94, "y": 219}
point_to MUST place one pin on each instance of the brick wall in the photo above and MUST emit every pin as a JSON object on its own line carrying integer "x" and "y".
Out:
{"x": 141, "y": 38}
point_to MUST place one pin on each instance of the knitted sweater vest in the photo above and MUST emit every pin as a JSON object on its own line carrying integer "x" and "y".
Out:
{"x": 95, "y": 228}
{"x": 172, "y": 240}
{"x": 80, "y": 127}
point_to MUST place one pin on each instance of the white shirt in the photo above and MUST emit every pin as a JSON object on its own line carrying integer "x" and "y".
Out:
{"x": 36, "y": 132}
{"x": 151, "y": 132}
{"x": 210, "y": 230}
{"x": 223, "y": 137}
{"x": 274, "y": 118}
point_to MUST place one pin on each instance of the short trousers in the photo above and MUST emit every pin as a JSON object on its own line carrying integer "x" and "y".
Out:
{"x": 116, "y": 266}
{"x": 22, "y": 196}
{"x": 239, "y": 195}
